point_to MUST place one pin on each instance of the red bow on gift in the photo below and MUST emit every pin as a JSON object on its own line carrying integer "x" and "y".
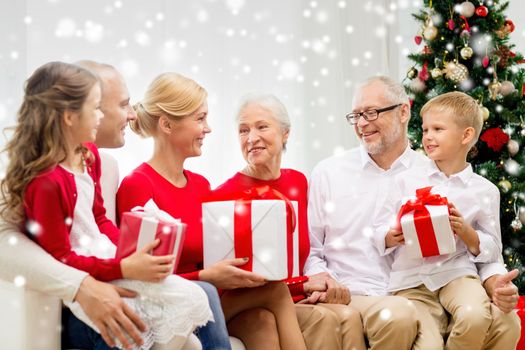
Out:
{"x": 243, "y": 220}
{"x": 425, "y": 231}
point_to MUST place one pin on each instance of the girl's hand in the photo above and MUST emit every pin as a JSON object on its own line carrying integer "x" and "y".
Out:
{"x": 143, "y": 266}
{"x": 226, "y": 275}
{"x": 394, "y": 237}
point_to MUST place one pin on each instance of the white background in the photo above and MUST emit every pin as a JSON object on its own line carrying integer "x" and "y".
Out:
{"x": 308, "y": 53}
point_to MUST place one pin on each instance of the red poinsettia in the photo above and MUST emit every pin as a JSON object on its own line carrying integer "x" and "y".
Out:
{"x": 495, "y": 138}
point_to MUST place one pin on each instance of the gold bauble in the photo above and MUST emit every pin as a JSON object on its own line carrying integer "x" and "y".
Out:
{"x": 466, "y": 52}
{"x": 505, "y": 185}
{"x": 412, "y": 73}
{"x": 485, "y": 113}
{"x": 494, "y": 89}
{"x": 456, "y": 72}
{"x": 436, "y": 73}
{"x": 430, "y": 32}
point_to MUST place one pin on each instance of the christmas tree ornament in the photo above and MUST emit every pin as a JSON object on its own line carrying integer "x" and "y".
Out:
{"x": 412, "y": 73}
{"x": 430, "y": 31}
{"x": 482, "y": 11}
{"x": 516, "y": 224}
{"x": 450, "y": 24}
{"x": 485, "y": 113}
{"x": 466, "y": 52}
{"x": 485, "y": 62}
{"x": 505, "y": 185}
{"x": 494, "y": 89}
{"x": 509, "y": 25}
{"x": 417, "y": 85}
{"x": 495, "y": 139}
{"x": 467, "y": 9}
{"x": 418, "y": 39}
{"x": 455, "y": 71}
{"x": 423, "y": 75}
{"x": 522, "y": 215}
{"x": 513, "y": 147}
{"x": 503, "y": 53}
{"x": 436, "y": 73}
{"x": 512, "y": 167}
{"x": 465, "y": 34}
{"x": 426, "y": 50}
{"x": 507, "y": 88}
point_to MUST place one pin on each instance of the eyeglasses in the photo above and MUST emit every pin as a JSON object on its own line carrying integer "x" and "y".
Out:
{"x": 371, "y": 114}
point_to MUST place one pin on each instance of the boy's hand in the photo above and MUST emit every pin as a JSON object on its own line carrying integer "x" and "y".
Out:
{"x": 394, "y": 237}
{"x": 145, "y": 267}
{"x": 467, "y": 234}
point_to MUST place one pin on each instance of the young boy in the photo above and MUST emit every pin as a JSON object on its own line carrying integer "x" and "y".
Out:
{"x": 452, "y": 123}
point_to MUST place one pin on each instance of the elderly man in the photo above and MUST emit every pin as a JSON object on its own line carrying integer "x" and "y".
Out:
{"x": 345, "y": 197}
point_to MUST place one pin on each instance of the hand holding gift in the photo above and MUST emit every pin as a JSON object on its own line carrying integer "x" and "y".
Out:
{"x": 143, "y": 266}
{"x": 467, "y": 234}
{"x": 150, "y": 242}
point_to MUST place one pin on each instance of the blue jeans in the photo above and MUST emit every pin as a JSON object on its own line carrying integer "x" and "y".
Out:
{"x": 213, "y": 335}
{"x": 80, "y": 336}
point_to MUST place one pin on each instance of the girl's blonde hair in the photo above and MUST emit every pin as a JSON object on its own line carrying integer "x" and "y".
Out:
{"x": 171, "y": 95}
{"x": 38, "y": 141}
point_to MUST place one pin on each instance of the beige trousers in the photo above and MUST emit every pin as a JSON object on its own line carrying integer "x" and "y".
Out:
{"x": 389, "y": 321}
{"x": 330, "y": 326}
{"x": 474, "y": 323}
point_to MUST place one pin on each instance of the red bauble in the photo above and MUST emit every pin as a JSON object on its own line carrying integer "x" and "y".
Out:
{"x": 482, "y": 11}
{"x": 451, "y": 25}
{"x": 485, "y": 61}
{"x": 418, "y": 39}
{"x": 510, "y": 25}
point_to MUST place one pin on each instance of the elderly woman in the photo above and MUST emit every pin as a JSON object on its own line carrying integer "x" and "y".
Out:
{"x": 174, "y": 112}
{"x": 324, "y": 317}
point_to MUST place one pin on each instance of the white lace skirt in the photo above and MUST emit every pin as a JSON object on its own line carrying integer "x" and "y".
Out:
{"x": 173, "y": 307}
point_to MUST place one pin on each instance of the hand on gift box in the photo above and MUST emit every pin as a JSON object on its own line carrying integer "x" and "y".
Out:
{"x": 503, "y": 292}
{"x": 322, "y": 288}
{"x": 467, "y": 234}
{"x": 394, "y": 237}
{"x": 143, "y": 266}
{"x": 226, "y": 275}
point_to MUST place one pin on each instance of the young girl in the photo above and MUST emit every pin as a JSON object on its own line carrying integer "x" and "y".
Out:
{"x": 52, "y": 185}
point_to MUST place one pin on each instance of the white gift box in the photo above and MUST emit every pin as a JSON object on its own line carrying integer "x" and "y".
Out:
{"x": 269, "y": 236}
{"x": 444, "y": 237}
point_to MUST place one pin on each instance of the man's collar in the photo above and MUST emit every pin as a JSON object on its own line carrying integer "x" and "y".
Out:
{"x": 404, "y": 159}
{"x": 464, "y": 175}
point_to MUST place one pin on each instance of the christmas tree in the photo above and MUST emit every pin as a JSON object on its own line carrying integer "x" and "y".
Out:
{"x": 465, "y": 46}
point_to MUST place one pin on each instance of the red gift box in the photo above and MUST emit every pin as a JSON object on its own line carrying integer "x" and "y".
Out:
{"x": 521, "y": 313}
{"x": 138, "y": 228}
{"x": 426, "y": 226}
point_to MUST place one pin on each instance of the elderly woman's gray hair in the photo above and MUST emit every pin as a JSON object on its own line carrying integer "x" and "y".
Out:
{"x": 269, "y": 102}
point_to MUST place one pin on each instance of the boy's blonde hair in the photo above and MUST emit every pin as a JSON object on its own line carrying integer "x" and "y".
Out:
{"x": 463, "y": 109}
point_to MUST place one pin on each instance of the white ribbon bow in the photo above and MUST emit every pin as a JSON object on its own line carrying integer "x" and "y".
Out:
{"x": 150, "y": 209}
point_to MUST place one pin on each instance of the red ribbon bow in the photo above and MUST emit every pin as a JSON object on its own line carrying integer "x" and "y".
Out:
{"x": 424, "y": 229}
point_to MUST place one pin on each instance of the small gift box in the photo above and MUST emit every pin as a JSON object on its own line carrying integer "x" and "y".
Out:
{"x": 145, "y": 224}
{"x": 253, "y": 226}
{"x": 426, "y": 226}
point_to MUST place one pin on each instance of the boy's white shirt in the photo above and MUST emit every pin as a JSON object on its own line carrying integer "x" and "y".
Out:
{"x": 476, "y": 198}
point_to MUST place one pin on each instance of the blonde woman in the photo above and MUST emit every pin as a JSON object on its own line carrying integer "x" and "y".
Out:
{"x": 174, "y": 112}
